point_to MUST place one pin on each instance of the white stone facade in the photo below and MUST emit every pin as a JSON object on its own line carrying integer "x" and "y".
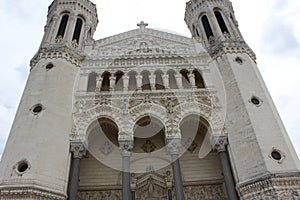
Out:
{"x": 147, "y": 95}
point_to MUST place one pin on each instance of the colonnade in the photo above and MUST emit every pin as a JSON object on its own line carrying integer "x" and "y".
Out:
{"x": 173, "y": 144}
{"x": 145, "y": 80}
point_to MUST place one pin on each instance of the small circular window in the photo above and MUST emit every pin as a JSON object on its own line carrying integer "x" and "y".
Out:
{"x": 49, "y": 66}
{"x": 276, "y": 155}
{"x": 36, "y": 109}
{"x": 22, "y": 167}
{"x": 255, "y": 101}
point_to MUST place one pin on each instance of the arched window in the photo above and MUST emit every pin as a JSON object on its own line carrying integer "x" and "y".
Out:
{"x": 132, "y": 84}
{"x": 221, "y": 22}
{"x": 185, "y": 79}
{"x": 105, "y": 81}
{"x": 172, "y": 79}
{"x": 159, "y": 84}
{"x": 145, "y": 80}
{"x": 62, "y": 26}
{"x": 92, "y": 82}
{"x": 207, "y": 28}
{"x": 77, "y": 31}
{"x": 119, "y": 81}
{"x": 198, "y": 79}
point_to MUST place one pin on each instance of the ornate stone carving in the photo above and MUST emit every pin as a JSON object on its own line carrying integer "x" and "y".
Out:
{"x": 173, "y": 145}
{"x": 107, "y": 148}
{"x": 26, "y": 192}
{"x": 273, "y": 186}
{"x": 219, "y": 142}
{"x": 103, "y": 195}
{"x": 78, "y": 149}
{"x": 207, "y": 192}
{"x": 148, "y": 146}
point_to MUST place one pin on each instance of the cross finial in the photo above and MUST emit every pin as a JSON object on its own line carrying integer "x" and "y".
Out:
{"x": 142, "y": 25}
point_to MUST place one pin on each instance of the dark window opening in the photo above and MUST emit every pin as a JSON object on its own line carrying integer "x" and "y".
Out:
{"x": 119, "y": 81}
{"x": 221, "y": 22}
{"x": 77, "y": 30}
{"x": 198, "y": 79}
{"x": 132, "y": 84}
{"x": 145, "y": 81}
{"x": 105, "y": 81}
{"x": 159, "y": 85}
{"x": 63, "y": 26}
{"x": 172, "y": 79}
{"x": 92, "y": 82}
{"x": 185, "y": 79}
{"x": 207, "y": 27}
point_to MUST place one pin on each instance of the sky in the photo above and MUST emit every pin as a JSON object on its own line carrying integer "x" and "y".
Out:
{"x": 270, "y": 28}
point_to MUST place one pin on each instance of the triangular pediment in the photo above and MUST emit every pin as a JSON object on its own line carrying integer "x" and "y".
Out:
{"x": 143, "y": 42}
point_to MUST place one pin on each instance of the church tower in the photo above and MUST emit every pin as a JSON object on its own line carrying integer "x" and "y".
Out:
{"x": 36, "y": 160}
{"x": 147, "y": 114}
{"x": 263, "y": 159}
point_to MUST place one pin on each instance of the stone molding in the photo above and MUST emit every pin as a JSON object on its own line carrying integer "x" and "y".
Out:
{"x": 29, "y": 192}
{"x": 271, "y": 186}
{"x": 57, "y": 52}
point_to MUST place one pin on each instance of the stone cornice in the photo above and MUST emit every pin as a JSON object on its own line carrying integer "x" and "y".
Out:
{"x": 56, "y": 52}
{"x": 26, "y": 192}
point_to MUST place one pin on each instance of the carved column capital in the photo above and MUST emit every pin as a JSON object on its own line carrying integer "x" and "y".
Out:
{"x": 126, "y": 146}
{"x": 219, "y": 143}
{"x": 173, "y": 145}
{"x": 78, "y": 149}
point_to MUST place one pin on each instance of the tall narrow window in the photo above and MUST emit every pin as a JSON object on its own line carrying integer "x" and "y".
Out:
{"x": 198, "y": 79}
{"x": 119, "y": 81}
{"x": 132, "y": 84}
{"x": 92, "y": 82}
{"x": 63, "y": 26}
{"x": 221, "y": 22}
{"x": 159, "y": 85}
{"x": 207, "y": 28}
{"x": 145, "y": 80}
{"x": 105, "y": 81}
{"x": 172, "y": 79}
{"x": 185, "y": 79}
{"x": 77, "y": 30}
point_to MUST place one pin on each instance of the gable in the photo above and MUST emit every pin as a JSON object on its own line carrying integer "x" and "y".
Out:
{"x": 142, "y": 42}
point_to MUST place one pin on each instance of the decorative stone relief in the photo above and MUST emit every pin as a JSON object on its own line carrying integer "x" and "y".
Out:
{"x": 103, "y": 195}
{"x": 212, "y": 192}
{"x": 148, "y": 146}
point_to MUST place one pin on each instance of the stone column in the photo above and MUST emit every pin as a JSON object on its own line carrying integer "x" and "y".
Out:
{"x": 178, "y": 77}
{"x": 125, "y": 82}
{"x": 165, "y": 78}
{"x": 152, "y": 81}
{"x": 169, "y": 185}
{"x": 173, "y": 145}
{"x": 70, "y": 29}
{"x": 220, "y": 143}
{"x": 126, "y": 147}
{"x": 112, "y": 82}
{"x": 139, "y": 79}
{"x": 78, "y": 150}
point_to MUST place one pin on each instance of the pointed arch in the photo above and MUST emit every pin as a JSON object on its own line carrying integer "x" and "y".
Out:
{"x": 119, "y": 81}
{"x": 145, "y": 80}
{"x": 132, "y": 84}
{"x": 159, "y": 84}
{"x": 207, "y": 28}
{"x": 221, "y": 22}
{"x": 105, "y": 81}
{"x": 172, "y": 79}
{"x": 63, "y": 25}
{"x": 92, "y": 82}
{"x": 198, "y": 79}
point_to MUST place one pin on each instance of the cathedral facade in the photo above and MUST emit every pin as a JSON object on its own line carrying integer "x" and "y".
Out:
{"x": 147, "y": 115}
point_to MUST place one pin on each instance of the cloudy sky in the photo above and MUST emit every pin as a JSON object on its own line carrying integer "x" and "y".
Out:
{"x": 270, "y": 27}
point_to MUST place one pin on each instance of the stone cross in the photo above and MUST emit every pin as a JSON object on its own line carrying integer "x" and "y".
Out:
{"x": 142, "y": 25}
